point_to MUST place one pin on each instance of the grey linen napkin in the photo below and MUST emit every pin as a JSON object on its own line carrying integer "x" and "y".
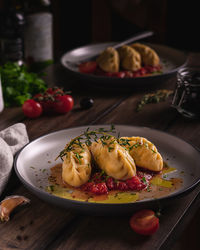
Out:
{"x": 12, "y": 139}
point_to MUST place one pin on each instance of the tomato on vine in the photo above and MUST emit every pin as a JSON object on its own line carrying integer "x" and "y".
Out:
{"x": 32, "y": 109}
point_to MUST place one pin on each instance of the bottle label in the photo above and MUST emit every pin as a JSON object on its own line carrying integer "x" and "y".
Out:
{"x": 38, "y": 44}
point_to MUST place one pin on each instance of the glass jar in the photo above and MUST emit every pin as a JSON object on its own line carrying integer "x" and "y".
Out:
{"x": 187, "y": 93}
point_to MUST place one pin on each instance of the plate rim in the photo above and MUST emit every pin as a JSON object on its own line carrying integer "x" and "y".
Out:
{"x": 76, "y": 202}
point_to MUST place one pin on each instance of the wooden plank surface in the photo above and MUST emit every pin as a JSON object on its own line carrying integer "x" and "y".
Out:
{"x": 151, "y": 116}
{"x": 42, "y": 226}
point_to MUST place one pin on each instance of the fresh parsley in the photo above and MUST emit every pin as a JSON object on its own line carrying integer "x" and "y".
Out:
{"x": 19, "y": 84}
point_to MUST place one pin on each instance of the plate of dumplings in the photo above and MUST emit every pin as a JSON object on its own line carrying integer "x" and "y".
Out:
{"x": 134, "y": 65}
{"x": 106, "y": 169}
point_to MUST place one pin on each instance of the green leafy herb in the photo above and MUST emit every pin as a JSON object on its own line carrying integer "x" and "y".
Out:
{"x": 19, "y": 84}
{"x": 158, "y": 96}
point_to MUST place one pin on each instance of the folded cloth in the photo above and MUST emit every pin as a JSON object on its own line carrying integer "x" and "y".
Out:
{"x": 11, "y": 140}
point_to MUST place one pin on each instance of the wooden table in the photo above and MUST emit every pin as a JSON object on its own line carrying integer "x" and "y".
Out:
{"x": 43, "y": 226}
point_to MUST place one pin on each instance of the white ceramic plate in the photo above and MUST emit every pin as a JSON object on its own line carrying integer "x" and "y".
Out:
{"x": 33, "y": 163}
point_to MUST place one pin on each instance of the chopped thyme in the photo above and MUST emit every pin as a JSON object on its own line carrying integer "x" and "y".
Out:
{"x": 148, "y": 189}
{"x": 78, "y": 156}
{"x": 110, "y": 149}
{"x": 50, "y": 188}
{"x": 144, "y": 180}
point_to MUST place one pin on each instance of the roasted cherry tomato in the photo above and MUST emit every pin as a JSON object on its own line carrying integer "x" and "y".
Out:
{"x": 120, "y": 74}
{"x": 88, "y": 67}
{"x": 32, "y": 109}
{"x": 63, "y": 104}
{"x": 144, "y": 222}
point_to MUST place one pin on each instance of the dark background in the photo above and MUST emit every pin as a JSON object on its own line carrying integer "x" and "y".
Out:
{"x": 175, "y": 23}
{"x": 77, "y": 23}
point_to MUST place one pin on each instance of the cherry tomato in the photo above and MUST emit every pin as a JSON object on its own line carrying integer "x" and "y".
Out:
{"x": 88, "y": 67}
{"x": 144, "y": 222}
{"x": 54, "y": 91}
{"x": 119, "y": 74}
{"x": 128, "y": 74}
{"x": 63, "y": 104}
{"x": 32, "y": 109}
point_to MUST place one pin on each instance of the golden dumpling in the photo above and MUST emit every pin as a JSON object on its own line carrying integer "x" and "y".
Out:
{"x": 130, "y": 59}
{"x": 113, "y": 159}
{"x": 144, "y": 153}
{"x": 148, "y": 55}
{"x": 76, "y": 167}
{"x": 109, "y": 60}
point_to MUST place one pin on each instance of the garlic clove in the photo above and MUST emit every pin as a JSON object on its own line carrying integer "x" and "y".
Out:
{"x": 9, "y": 204}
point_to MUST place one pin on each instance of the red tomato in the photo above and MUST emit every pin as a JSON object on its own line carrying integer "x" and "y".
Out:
{"x": 88, "y": 67}
{"x": 144, "y": 222}
{"x": 47, "y": 105}
{"x": 119, "y": 74}
{"x": 128, "y": 74}
{"x": 63, "y": 104}
{"x": 32, "y": 109}
{"x": 54, "y": 91}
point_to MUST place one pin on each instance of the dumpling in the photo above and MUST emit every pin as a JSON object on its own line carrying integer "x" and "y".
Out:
{"x": 109, "y": 60}
{"x": 113, "y": 159}
{"x": 76, "y": 167}
{"x": 148, "y": 55}
{"x": 130, "y": 58}
{"x": 144, "y": 153}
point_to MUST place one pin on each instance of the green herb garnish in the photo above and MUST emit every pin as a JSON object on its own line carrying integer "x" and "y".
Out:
{"x": 158, "y": 96}
{"x": 19, "y": 84}
{"x": 144, "y": 180}
{"x": 50, "y": 188}
{"x": 87, "y": 137}
{"x": 78, "y": 156}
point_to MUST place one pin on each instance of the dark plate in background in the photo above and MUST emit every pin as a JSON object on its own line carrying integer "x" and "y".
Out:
{"x": 171, "y": 61}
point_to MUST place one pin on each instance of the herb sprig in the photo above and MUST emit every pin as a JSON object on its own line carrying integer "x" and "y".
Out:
{"x": 87, "y": 137}
{"x": 159, "y": 96}
{"x": 102, "y": 134}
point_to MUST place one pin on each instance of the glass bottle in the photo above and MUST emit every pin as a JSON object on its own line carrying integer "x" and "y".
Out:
{"x": 38, "y": 42}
